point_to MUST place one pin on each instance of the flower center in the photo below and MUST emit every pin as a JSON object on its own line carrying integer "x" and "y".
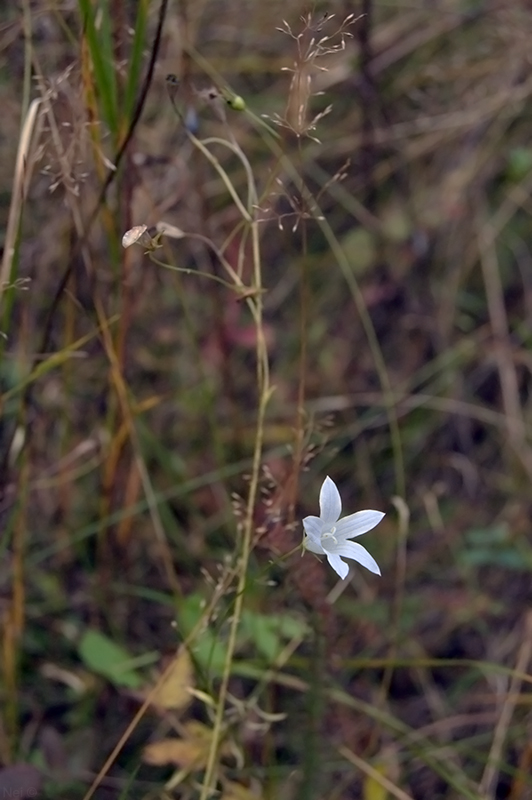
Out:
{"x": 330, "y": 534}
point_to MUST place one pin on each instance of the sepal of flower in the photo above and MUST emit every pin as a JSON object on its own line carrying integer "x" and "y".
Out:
{"x": 330, "y": 536}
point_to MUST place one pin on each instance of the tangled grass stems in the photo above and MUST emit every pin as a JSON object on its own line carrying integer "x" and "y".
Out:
{"x": 243, "y": 543}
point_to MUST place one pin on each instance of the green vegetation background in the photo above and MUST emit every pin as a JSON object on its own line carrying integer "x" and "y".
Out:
{"x": 392, "y": 167}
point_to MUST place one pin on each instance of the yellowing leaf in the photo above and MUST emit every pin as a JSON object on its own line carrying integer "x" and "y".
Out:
{"x": 173, "y": 692}
{"x": 381, "y": 777}
{"x": 181, "y": 752}
{"x": 235, "y": 791}
{"x": 374, "y": 790}
{"x": 360, "y": 248}
{"x": 190, "y": 752}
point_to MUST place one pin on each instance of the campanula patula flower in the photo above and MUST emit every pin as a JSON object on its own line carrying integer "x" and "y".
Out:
{"x": 329, "y": 535}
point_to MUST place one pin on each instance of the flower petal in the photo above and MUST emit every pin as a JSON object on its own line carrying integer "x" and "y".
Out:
{"x": 313, "y": 546}
{"x": 330, "y": 501}
{"x": 357, "y": 553}
{"x": 313, "y": 527}
{"x": 357, "y": 524}
{"x": 339, "y": 566}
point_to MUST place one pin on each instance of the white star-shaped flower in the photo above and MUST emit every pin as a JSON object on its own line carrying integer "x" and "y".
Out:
{"x": 329, "y": 535}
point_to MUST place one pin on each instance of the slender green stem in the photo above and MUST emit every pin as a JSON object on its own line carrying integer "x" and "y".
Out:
{"x": 246, "y": 539}
{"x": 189, "y": 271}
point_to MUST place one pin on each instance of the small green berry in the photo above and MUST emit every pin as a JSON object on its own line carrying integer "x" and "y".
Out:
{"x": 237, "y": 103}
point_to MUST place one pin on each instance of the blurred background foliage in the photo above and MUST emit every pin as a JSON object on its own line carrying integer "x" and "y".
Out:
{"x": 396, "y": 263}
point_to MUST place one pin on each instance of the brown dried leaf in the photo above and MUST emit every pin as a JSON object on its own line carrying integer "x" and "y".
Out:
{"x": 235, "y": 791}
{"x": 189, "y": 752}
{"x": 173, "y": 693}
{"x": 181, "y": 752}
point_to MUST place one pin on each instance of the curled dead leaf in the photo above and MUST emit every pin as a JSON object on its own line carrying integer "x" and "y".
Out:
{"x": 173, "y": 692}
{"x": 190, "y": 752}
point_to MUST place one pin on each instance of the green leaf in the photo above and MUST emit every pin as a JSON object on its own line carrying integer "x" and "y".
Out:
{"x": 494, "y": 546}
{"x": 268, "y": 633}
{"x": 207, "y": 648}
{"x": 100, "y": 43}
{"x": 261, "y": 630}
{"x": 102, "y": 656}
{"x": 519, "y": 163}
{"x": 209, "y": 653}
{"x": 135, "y": 61}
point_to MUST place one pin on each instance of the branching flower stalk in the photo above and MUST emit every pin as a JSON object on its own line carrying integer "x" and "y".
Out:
{"x": 253, "y": 297}
{"x": 312, "y": 44}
